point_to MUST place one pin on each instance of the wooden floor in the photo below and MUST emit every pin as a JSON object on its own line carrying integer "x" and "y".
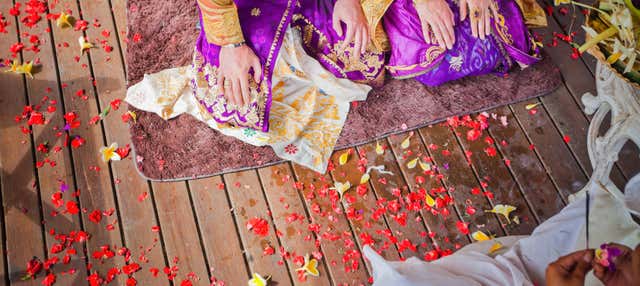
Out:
{"x": 197, "y": 230}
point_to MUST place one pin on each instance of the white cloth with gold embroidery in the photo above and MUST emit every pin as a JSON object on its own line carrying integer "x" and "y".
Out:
{"x": 308, "y": 110}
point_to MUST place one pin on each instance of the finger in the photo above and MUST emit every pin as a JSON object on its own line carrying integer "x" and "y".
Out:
{"x": 487, "y": 23}
{"x": 463, "y": 10}
{"x": 599, "y": 271}
{"x": 450, "y": 36}
{"x": 481, "y": 32}
{"x": 337, "y": 26}
{"x": 365, "y": 40}
{"x": 569, "y": 261}
{"x": 220, "y": 83}
{"x": 584, "y": 265}
{"x": 244, "y": 87}
{"x": 237, "y": 94}
{"x": 426, "y": 33}
{"x": 440, "y": 35}
{"x": 257, "y": 71}
{"x": 357, "y": 45}
{"x": 474, "y": 23}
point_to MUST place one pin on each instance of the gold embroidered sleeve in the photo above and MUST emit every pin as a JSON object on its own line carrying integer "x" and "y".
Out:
{"x": 533, "y": 13}
{"x": 373, "y": 11}
{"x": 220, "y": 22}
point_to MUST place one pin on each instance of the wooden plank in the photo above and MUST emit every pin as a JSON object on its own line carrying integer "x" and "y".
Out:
{"x": 135, "y": 215}
{"x": 22, "y": 219}
{"x": 566, "y": 108}
{"x": 459, "y": 179}
{"x": 494, "y": 177}
{"x": 359, "y": 204}
{"x": 333, "y": 229}
{"x": 93, "y": 176}
{"x": 383, "y": 186}
{"x": 51, "y": 177}
{"x": 291, "y": 219}
{"x": 119, "y": 9}
{"x": 179, "y": 232}
{"x": 217, "y": 226}
{"x": 248, "y": 202}
{"x": 550, "y": 145}
{"x": 441, "y": 223}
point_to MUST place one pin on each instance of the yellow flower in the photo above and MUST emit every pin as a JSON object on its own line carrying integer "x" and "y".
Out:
{"x": 258, "y": 280}
{"x": 255, "y": 12}
{"x": 495, "y": 247}
{"x": 26, "y": 68}
{"x": 14, "y": 67}
{"x": 406, "y": 142}
{"x": 424, "y": 166}
{"x": 84, "y": 45}
{"x": 504, "y": 210}
{"x": 379, "y": 149}
{"x": 429, "y": 200}
{"x": 64, "y": 21}
{"x": 480, "y": 236}
{"x": 559, "y": 2}
{"x": 109, "y": 153}
{"x": 344, "y": 158}
{"x": 342, "y": 187}
{"x": 412, "y": 164}
{"x": 310, "y": 266}
{"x": 365, "y": 178}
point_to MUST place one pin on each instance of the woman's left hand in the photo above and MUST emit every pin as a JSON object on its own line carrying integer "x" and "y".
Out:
{"x": 479, "y": 12}
{"x": 350, "y": 12}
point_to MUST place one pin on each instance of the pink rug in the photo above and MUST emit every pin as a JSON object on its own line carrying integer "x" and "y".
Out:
{"x": 167, "y": 30}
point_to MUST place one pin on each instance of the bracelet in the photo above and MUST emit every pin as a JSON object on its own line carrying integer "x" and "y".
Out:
{"x": 235, "y": 45}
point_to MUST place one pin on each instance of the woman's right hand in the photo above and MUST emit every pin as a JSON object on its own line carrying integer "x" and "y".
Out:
{"x": 437, "y": 22}
{"x": 233, "y": 73}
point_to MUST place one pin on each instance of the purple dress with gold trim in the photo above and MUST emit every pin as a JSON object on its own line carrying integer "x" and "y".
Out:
{"x": 264, "y": 34}
{"x": 509, "y": 43}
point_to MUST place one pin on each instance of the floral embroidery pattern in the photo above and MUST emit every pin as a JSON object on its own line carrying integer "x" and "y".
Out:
{"x": 291, "y": 149}
{"x": 255, "y": 12}
{"x": 249, "y": 132}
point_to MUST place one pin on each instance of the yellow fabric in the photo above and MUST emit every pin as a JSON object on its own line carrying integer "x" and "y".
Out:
{"x": 308, "y": 109}
{"x": 533, "y": 13}
{"x": 221, "y": 22}
{"x": 373, "y": 12}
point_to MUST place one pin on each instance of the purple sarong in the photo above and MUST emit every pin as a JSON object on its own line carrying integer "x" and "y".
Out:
{"x": 263, "y": 33}
{"x": 432, "y": 65}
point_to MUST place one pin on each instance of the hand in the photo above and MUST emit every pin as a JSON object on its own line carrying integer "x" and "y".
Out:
{"x": 480, "y": 16}
{"x": 571, "y": 269}
{"x": 350, "y": 12}
{"x": 437, "y": 22}
{"x": 627, "y": 268}
{"x": 233, "y": 73}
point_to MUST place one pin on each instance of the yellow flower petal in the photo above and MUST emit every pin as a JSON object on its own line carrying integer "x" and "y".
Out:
{"x": 133, "y": 115}
{"x": 342, "y": 187}
{"x": 109, "y": 153}
{"x": 424, "y": 166}
{"x": 504, "y": 210}
{"x": 406, "y": 142}
{"x": 365, "y": 178}
{"x": 429, "y": 200}
{"x": 14, "y": 67}
{"x": 531, "y": 106}
{"x": 84, "y": 45}
{"x": 64, "y": 21}
{"x": 495, "y": 247}
{"x": 26, "y": 68}
{"x": 480, "y": 236}
{"x": 379, "y": 149}
{"x": 614, "y": 57}
{"x": 412, "y": 164}
{"x": 258, "y": 280}
{"x": 310, "y": 266}
{"x": 344, "y": 158}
